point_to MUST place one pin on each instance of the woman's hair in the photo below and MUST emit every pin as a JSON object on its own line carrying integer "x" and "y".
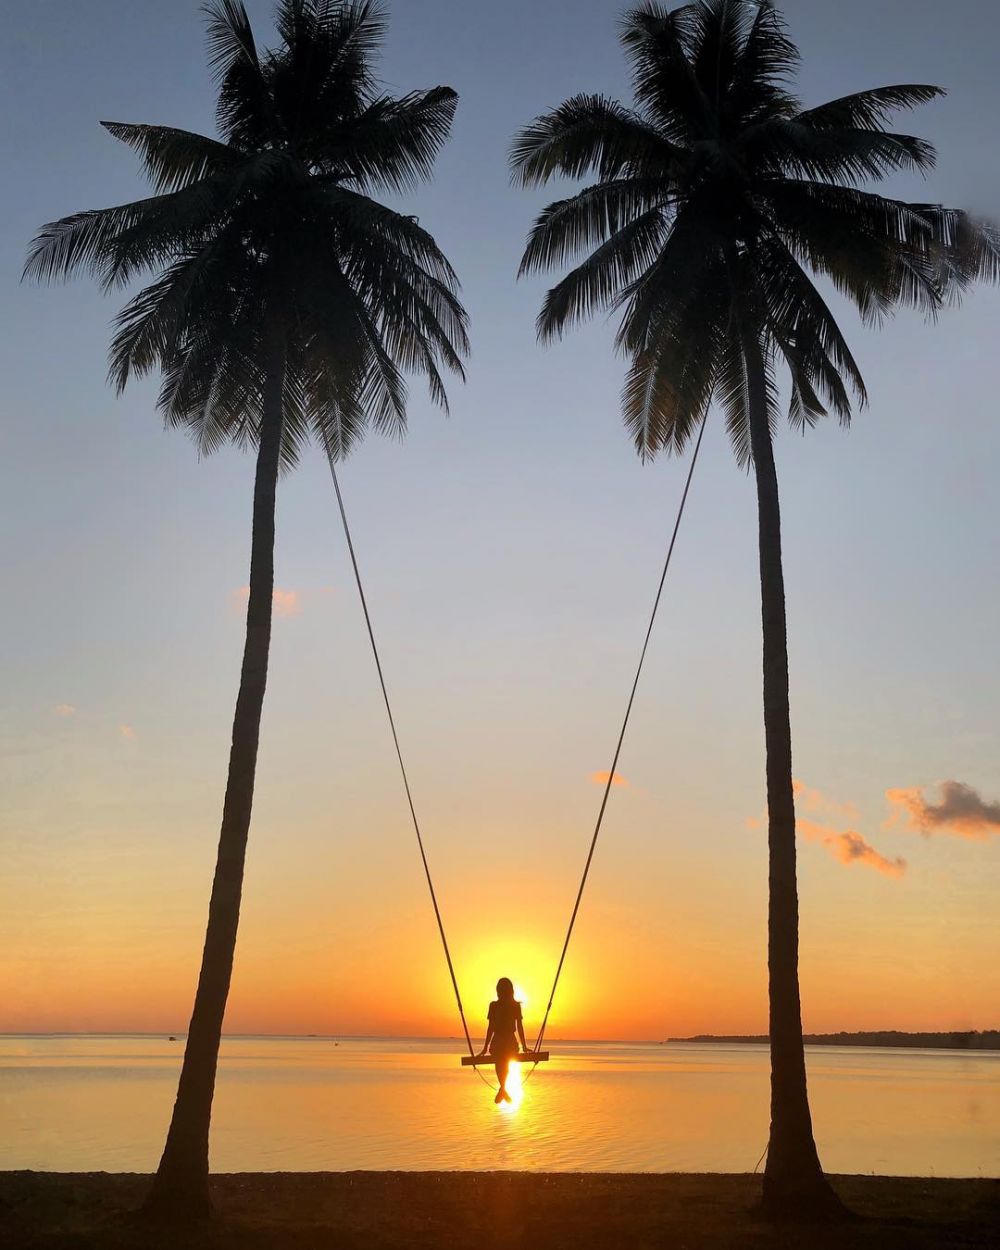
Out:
{"x": 505, "y": 988}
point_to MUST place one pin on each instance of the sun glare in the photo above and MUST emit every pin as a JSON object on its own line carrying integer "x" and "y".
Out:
{"x": 514, "y": 1088}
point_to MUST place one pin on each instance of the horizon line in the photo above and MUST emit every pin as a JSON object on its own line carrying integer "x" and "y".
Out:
{"x": 757, "y": 1038}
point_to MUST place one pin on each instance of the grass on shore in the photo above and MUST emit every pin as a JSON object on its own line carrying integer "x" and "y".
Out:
{"x": 480, "y": 1211}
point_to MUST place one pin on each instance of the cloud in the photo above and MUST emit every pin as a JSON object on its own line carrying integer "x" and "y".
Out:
{"x": 601, "y": 779}
{"x": 286, "y": 602}
{"x": 126, "y": 731}
{"x": 64, "y": 709}
{"x": 850, "y": 848}
{"x": 961, "y": 812}
{"x": 811, "y": 800}
{"x": 846, "y": 845}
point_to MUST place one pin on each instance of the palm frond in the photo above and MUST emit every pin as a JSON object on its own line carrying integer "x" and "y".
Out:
{"x": 589, "y": 134}
{"x": 661, "y": 46}
{"x": 229, "y": 36}
{"x": 245, "y": 111}
{"x": 187, "y": 293}
{"x": 599, "y": 281}
{"x": 347, "y": 33}
{"x": 173, "y": 159}
{"x": 843, "y": 155}
{"x": 720, "y": 33}
{"x": 385, "y": 275}
{"x": 674, "y": 344}
{"x": 732, "y": 391}
{"x": 393, "y": 143}
{"x": 816, "y": 382}
{"x": 868, "y": 110}
{"x": 361, "y": 25}
{"x": 101, "y": 241}
{"x": 566, "y": 227}
{"x": 668, "y": 389}
{"x": 357, "y": 218}
{"x": 963, "y": 249}
{"x": 870, "y": 246}
{"x": 796, "y": 311}
{"x": 323, "y": 73}
{"x": 691, "y": 263}
{"x": 759, "y": 87}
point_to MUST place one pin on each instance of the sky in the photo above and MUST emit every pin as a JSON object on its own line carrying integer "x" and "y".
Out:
{"x": 511, "y": 553}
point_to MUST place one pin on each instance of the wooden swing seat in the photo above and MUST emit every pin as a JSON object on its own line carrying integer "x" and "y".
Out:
{"x": 526, "y": 1056}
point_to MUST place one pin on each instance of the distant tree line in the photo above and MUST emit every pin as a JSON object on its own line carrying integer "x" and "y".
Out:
{"x": 973, "y": 1039}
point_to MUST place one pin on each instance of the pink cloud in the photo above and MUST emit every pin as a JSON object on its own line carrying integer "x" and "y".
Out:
{"x": 601, "y": 779}
{"x": 286, "y": 602}
{"x": 126, "y": 731}
{"x": 960, "y": 811}
{"x": 846, "y": 845}
{"x": 64, "y": 709}
{"x": 850, "y": 848}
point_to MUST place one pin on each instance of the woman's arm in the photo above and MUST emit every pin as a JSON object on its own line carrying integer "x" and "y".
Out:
{"x": 489, "y": 1036}
{"x": 520, "y": 1031}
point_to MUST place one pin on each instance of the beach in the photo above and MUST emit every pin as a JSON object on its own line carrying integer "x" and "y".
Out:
{"x": 430, "y": 1210}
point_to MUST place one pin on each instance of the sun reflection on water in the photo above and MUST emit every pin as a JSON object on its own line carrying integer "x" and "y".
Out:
{"x": 515, "y": 1088}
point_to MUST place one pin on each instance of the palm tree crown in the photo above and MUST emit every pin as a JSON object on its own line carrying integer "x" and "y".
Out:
{"x": 277, "y": 216}
{"x": 716, "y": 195}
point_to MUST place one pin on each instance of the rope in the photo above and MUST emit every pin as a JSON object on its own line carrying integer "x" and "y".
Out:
{"x": 621, "y": 739}
{"x": 611, "y": 773}
{"x": 399, "y": 756}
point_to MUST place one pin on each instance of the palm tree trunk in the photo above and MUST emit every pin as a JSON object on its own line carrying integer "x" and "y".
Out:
{"x": 180, "y": 1187}
{"x": 793, "y": 1178}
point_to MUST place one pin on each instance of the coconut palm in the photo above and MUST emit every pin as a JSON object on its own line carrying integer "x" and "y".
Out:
{"x": 715, "y": 200}
{"x": 286, "y": 304}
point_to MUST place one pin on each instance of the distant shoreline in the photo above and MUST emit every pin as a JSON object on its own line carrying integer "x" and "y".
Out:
{"x": 969, "y": 1039}
{"x": 973, "y": 1039}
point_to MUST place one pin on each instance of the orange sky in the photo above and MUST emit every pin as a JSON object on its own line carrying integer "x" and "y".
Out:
{"x": 338, "y": 936}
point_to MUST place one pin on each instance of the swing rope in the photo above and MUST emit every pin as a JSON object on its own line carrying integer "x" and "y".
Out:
{"x": 399, "y": 753}
{"x": 611, "y": 773}
{"x": 621, "y": 738}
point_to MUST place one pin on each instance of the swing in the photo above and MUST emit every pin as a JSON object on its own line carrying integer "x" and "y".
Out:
{"x": 486, "y": 1061}
{"x": 535, "y": 1055}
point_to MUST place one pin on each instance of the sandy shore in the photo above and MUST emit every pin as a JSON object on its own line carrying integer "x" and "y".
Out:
{"x": 479, "y": 1211}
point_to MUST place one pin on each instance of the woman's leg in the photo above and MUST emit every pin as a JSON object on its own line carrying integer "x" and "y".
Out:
{"x": 503, "y": 1067}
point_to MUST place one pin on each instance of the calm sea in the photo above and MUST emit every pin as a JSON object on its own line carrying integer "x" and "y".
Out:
{"x": 312, "y": 1104}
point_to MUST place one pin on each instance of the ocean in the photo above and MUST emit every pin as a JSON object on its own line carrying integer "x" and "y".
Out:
{"x": 102, "y": 1103}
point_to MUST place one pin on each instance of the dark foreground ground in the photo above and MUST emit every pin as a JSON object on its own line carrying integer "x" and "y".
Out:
{"x": 480, "y": 1211}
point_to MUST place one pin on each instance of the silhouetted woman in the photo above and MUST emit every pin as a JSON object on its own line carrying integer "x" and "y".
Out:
{"x": 503, "y": 1030}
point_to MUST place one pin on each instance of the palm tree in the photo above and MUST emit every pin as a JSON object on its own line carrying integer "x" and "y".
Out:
{"x": 287, "y": 303}
{"x": 715, "y": 196}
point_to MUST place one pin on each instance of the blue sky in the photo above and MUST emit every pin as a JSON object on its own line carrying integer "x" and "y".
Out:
{"x": 511, "y": 553}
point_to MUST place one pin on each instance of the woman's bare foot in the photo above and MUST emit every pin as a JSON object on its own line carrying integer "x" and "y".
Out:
{"x": 506, "y": 1096}
{"x": 501, "y": 1095}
